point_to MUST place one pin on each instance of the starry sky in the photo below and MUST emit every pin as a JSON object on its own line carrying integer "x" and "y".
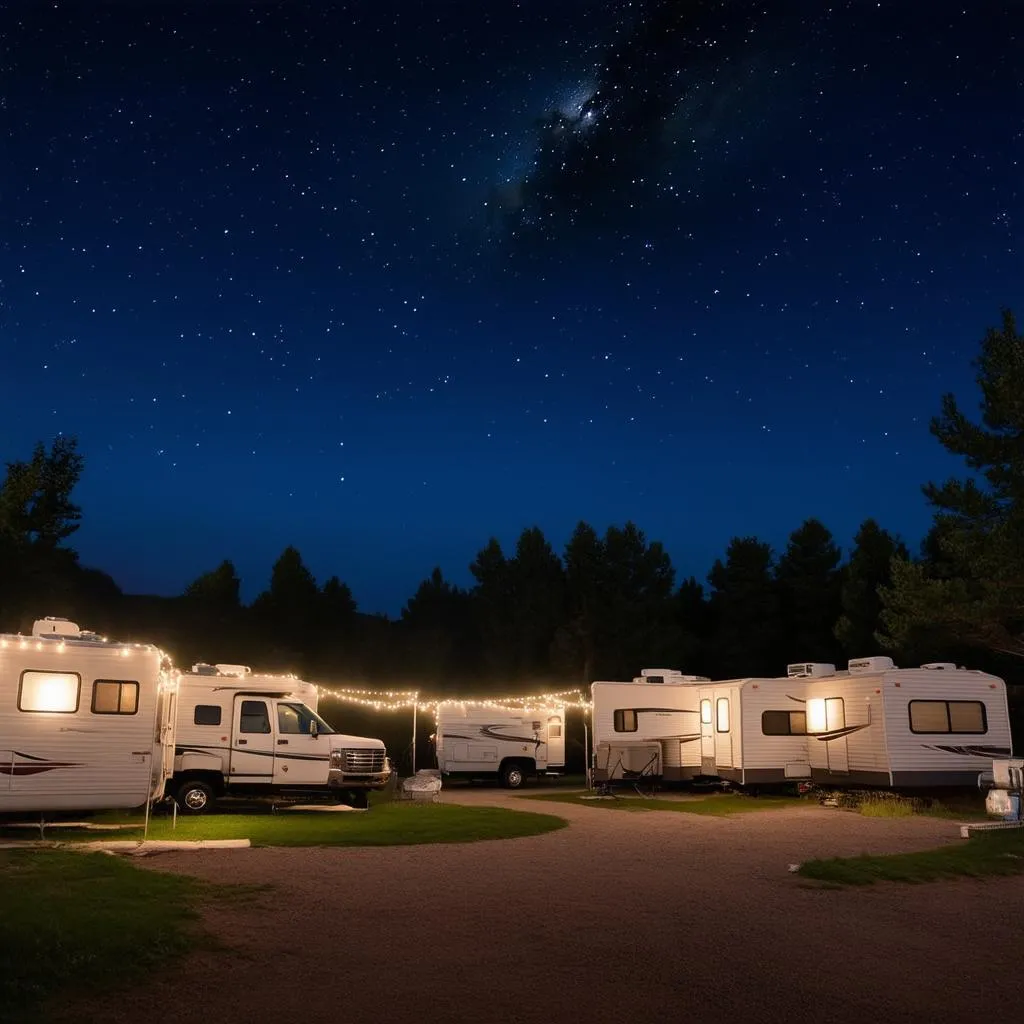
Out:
{"x": 381, "y": 280}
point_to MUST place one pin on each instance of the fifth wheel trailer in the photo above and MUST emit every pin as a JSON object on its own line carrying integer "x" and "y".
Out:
{"x": 86, "y": 723}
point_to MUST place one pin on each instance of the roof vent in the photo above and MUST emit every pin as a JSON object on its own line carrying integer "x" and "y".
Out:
{"x": 667, "y": 675}
{"x": 861, "y": 666}
{"x": 233, "y": 670}
{"x": 810, "y": 670}
{"x": 54, "y": 626}
{"x": 653, "y": 673}
{"x": 940, "y": 666}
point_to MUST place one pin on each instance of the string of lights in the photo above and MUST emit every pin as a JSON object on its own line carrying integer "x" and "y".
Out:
{"x": 397, "y": 700}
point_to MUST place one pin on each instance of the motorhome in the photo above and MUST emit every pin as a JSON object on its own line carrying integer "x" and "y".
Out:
{"x": 753, "y": 732}
{"x": 878, "y": 725}
{"x": 647, "y": 728}
{"x": 485, "y": 740}
{"x": 245, "y": 734}
{"x": 86, "y": 723}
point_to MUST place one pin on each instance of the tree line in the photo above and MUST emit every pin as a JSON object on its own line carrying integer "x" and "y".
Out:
{"x": 602, "y": 608}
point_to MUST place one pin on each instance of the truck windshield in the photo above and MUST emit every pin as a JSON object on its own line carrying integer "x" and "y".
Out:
{"x": 295, "y": 719}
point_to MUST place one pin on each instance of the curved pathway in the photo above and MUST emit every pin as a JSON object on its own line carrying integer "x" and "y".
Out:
{"x": 623, "y": 917}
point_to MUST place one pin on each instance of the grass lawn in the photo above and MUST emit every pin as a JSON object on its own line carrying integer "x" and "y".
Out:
{"x": 71, "y": 920}
{"x": 716, "y": 803}
{"x": 1000, "y": 852}
{"x": 389, "y": 824}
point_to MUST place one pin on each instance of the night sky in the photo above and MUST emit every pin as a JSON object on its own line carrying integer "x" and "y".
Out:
{"x": 383, "y": 279}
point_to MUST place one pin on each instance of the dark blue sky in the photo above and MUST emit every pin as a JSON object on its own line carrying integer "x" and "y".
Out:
{"x": 384, "y": 279}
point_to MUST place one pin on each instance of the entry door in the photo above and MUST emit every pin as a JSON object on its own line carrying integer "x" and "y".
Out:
{"x": 252, "y": 742}
{"x": 556, "y": 741}
{"x": 723, "y": 729}
{"x": 707, "y": 736}
{"x": 836, "y": 751}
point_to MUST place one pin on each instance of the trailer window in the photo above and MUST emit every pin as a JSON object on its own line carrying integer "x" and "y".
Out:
{"x": 115, "y": 697}
{"x": 554, "y": 728}
{"x": 705, "y": 712}
{"x": 722, "y": 714}
{"x": 254, "y": 717}
{"x": 784, "y": 723}
{"x": 624, "y": 720}
{"x": 948, "y": 716}
{"x": 206, "y": 714}
{"x": 53, "y": 692}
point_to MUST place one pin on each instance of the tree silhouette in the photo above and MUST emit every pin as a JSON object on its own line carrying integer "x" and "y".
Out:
{"x": 869, "y": 568}
{"x": 809, "y": 593}
{"x": 977, "y": 596}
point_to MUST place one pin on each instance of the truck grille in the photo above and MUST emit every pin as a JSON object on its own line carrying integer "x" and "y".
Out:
{"x": 363, "y": 762}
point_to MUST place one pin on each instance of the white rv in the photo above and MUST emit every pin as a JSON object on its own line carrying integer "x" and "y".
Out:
{"x": 753, "y": 732}
{"x": 878, "y": 725}
{"x": 649, "y": 728}
{"x": 86, "y": 723}
{"x": 240, "y": 734}
{"x": 480, "y": 739}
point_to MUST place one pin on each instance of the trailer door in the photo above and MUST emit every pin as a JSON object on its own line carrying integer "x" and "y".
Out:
{"x": 556, "y": 742}
{"x": 837, "y": 750}
{"x": 252, "y": 742}
{"x": 707, "y": 737}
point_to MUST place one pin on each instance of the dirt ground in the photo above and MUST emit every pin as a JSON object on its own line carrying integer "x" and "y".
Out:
{"x": 622, "y": 917}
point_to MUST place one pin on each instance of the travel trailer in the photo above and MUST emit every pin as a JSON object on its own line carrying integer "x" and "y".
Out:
{"x": 649, "y": 728}
{"x": 485, "y": 740}
{"x": 753, "y": 732}
{"x": 240, "y": 734}
{"x": 86, "y": 723}
{"x": 879, "y": 725}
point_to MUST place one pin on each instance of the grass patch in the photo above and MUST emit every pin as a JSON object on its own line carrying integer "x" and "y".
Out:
{"x": 72, "y": 920}
{"x": 999, "y": 852}
{"x": 715, "y": 804}
{"x": 885, "y": 804}
{"x": 389, "y": 824}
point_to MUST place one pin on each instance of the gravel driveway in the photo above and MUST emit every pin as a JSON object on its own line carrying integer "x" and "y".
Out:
{"x": 622, "y": 917}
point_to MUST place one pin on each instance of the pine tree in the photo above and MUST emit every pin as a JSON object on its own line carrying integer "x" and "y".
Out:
{"x": 978, "y": 596}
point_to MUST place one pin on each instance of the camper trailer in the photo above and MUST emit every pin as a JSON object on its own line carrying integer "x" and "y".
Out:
{"x": 879, "y": 725}
{"x": 240, "y": 734}
{"x": 649, "y": 728}
{"x": 484, "y": 740}
{"x": 86, "y": 723}
{"x": 753, "y": 732}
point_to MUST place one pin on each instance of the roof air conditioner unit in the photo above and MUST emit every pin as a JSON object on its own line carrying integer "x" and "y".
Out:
{"x": 54, "y": 626}
{"x": 810, "y": 670}
{"x": 860, "y": 666}
{"x": 233, "y": 670}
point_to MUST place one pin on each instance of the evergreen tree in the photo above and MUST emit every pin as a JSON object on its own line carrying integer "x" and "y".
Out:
{"x": 36, "y": 509}
{"x": 809, "y": 593}
{"x": 492, "y": 604}
{"x": 219, "y": 589}
{"x": 869, "y": 568}
{"x": 287, "y": 613}
{"x": 745, "y": 604}
{"x": 977, "y": 596}
{"x": 575, "y": 648}
{"x": 436, "y": 635}
{"x": 537, "y": 579}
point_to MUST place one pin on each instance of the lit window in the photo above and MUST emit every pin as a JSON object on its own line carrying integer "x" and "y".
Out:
{"x": 705, "y": 712}
{"x": 722, "y": 714}
{"x": 554, "y": 728}
{"x": 816, "y": 721}
{"x": 624, "y": 720}
{"x": 115, "y": 697}
{"x": 54, "y": 692}
{"x": 948, "y": 716}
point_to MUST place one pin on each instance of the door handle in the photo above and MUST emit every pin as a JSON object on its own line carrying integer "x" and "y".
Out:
{"x": 242, "y": 743}
{"x": 282, "y": 743}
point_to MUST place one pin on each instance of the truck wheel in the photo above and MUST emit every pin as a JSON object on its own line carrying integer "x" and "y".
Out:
{"x": 195, "y": 797}
{"x": 512, "y": 775}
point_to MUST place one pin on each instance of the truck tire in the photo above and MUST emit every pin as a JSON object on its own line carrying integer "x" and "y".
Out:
{"x": 513, "y": 775}
{"x": 195, "y": 797}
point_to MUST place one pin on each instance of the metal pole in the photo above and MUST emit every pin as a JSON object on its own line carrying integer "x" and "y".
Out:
{"x": 586, "y": 747}
{"x": 415, "y": 708}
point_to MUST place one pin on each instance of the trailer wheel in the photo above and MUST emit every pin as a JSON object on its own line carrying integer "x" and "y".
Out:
{"x": 512, "y": 775}
{"x": 195, "y": 797}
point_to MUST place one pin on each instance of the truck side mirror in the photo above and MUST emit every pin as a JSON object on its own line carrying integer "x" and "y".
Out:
{"x": 313, "y": 731}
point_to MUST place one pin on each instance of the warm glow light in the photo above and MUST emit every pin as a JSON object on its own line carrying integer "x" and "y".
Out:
{"x": 816, "y": 720}
{"x": 49, "y": 691}
{"x": 705, "y": 712}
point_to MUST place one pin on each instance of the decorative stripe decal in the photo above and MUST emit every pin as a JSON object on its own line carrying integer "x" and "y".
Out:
{"x": 29, "y": 764}
{"x": 838, "y": 734}
{"x": 253, "y": 753}
{"x": 969, "y": 750}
